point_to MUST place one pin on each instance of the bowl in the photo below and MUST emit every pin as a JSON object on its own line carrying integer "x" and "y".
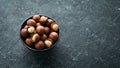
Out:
{"x": 34, "y": 49}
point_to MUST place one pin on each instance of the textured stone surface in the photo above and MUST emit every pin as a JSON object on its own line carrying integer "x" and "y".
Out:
{"x": 89, "y": 34}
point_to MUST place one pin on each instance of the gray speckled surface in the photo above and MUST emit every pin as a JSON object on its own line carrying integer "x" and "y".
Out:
{"x": 90, "y": 34}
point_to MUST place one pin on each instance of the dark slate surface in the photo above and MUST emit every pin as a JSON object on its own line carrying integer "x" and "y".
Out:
{"x": 89, "y": 29}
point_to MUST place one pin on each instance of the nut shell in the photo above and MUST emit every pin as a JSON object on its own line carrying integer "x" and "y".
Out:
{"x": 54, "y": 26}
{"x": 49, "y": 22}
{"x": 53, "y": 36}
{"x": 44, "y": 37}
{"x": 29, "y": 42}
{"x": 48, "y": 42}
{"x": 25, "y": 26}
{"x": 38, "y": 24}
{"x": 35, "y": 37}
{"x": 40, "y": 30}
{"x": 24, "y": 32}
{"x": 36, "y": 17}
{"x": 40, "y": 45}
{"x": 47, "y": 30}
{"x": 31, "y": 29}
{"x": 43, "y": 20}
{"x": 31, "y": 22}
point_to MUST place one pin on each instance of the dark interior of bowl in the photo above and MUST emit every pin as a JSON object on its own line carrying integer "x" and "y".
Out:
{"x": 32, "y": 48}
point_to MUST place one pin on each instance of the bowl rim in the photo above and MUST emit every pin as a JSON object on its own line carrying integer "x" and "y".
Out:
{"x": 33, "y": 49}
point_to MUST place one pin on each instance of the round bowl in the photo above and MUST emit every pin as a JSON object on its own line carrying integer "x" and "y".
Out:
{"x": 33, "y": 49}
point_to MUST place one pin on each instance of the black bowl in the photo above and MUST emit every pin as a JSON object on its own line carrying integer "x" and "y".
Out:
{"x": 33, "y": 49}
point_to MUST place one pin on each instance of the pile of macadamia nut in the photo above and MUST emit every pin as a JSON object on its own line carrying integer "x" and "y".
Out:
{"x": 40, "y": 32}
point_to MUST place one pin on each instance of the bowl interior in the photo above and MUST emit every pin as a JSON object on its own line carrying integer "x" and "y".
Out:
{"x": 33, "y": 49}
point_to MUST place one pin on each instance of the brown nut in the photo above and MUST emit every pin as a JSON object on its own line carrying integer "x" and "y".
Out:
{"x": 31, "y": 22}
{"x": 31, "y": 29}
{"x": 48, "y": 42}
{"x": 47, "y": 30}
{"x": 28, "y": 41}
{"x": 53, "y": 36}
{"x": 54, "y": 26}
{"x": 36, "y": 17}
{"x": 24, "y": 32}
{"x": 49, "y": 22}
{"x": 38, "y": 24}
{"x": 25, "y": 26}
{"x": 44, "y": 37}
{"x": 39, "y": 45}
{"x": 35, "y": 37}
{"x": 43, "y": 19}
{"x": 40, "y": 30}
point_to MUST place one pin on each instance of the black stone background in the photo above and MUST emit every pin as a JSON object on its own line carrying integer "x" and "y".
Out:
{"x": 89, "y": 34}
